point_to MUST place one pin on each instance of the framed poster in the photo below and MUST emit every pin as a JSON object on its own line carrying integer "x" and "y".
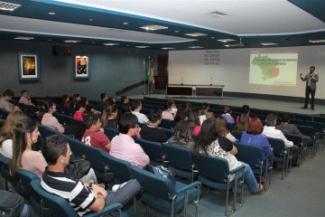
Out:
{"x": 81, "y": 67}
{"x": 28, "y": 67}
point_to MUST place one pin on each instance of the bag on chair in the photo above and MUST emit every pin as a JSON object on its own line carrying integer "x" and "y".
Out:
{"x": 166, "y": 174}
{"x": 11, "y": 204}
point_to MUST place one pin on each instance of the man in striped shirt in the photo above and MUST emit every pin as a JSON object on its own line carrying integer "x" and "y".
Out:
{"x": 82, "y": 198}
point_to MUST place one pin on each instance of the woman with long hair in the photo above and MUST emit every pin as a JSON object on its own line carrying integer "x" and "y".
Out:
{"x": 212, "y": 144}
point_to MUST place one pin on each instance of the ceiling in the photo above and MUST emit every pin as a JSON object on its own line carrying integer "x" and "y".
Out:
{"x": 248, "y": 23}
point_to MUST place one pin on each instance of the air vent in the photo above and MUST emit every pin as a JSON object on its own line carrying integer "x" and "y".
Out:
{"x": 217, "y": 13}
{"x": 7, "y": 6}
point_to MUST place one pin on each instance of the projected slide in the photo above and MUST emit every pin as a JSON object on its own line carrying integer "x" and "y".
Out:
{"x": 273, "y": 69}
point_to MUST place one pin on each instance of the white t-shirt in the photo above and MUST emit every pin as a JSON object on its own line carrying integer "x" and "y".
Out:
{"x": 6, "y": 148}
{"x": 142, "y": 118}
{"x": 272, "y": 132}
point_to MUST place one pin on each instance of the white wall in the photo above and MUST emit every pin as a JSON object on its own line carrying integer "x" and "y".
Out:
{"x": 232, "y": 70}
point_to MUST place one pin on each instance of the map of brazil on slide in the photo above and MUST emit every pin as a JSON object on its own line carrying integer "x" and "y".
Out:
{"x": 273, "y": 69}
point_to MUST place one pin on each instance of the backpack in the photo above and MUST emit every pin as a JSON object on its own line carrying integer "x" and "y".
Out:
{"x": 11, "y": 204}
{"x": 165, "y": 173}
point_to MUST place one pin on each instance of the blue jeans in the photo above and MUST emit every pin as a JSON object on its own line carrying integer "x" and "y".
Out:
{"x": 249, "y": 178}
{"x": 125, "y": 194}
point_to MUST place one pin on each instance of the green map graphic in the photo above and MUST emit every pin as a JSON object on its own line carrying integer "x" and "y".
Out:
{"x": 267, "y": 65}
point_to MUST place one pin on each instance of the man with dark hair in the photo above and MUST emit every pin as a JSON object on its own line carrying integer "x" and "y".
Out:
{"x": 123, "y": 145}
{"x": 94, "y": 134}
{"x": 7, "y": 95}
{"x": 25, "y": 98}
{"x": 311, "y": 79}
{"x": 151, "y": 131}
{"x": 136, "y": 108}
{"x": 124, "y": 105}
{"x": 82, "y": 198}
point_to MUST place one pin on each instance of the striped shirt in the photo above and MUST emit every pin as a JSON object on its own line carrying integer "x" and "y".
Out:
{"x": 79, "y": 196}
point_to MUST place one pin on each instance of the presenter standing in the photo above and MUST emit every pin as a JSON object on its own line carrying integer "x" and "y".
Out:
{"x": 311, "y": 79}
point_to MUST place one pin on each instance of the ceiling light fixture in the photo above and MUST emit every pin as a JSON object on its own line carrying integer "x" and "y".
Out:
{"x": 52, "y": 13}
{"x": 196, "y": 34}
{"x": 226, "y": 40}
{"x": 234, "y": 45}
{"x": 125, "y": 23}
{"x": 8, "y": 6}
{"x": 317, "y": 41}
{"x": 24, "y": 38}
{"x": 153, "y": 27}
{"x": 167, "y": 48}
{"x": 142, "y": 46}
{"x": 195, "y": 47}
{"x": 269, "y": 44}
{"x": 110, "y": 44}
{"x": 71, "y": 41}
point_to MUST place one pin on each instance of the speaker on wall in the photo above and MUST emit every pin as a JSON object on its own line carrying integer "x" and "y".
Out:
{"x": 61, "y": 51}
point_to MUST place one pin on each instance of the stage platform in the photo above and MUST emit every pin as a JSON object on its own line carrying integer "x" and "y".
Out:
{"x": 264, "y": 104}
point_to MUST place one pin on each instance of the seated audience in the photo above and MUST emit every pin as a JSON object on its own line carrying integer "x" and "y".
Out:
{"x": 25, "y": 98}
{"x": 123, "y": 145}
{"x": 151, "y": 131}
{"x": 84, "y": 198}
{"x": 124, "y": 105}
{"x": 7, "y": 133}
{"x": 270, "y": 131}
{"x": 4, "y": 101}
{"x": 183, "y": 134}
{"x": 136, "y": 107}
{"x": 214, "y": 145}
{"x": 222, "y": 129}
{"x": 254, "y": 137}
{"x": 243, "y": 119}
{"x": 75, "y": 99}
{"x": 49, "y": 120}
{"x": 80, "y": 111}
{"x": 227, "y": 115}
{"x": 170, "y": 111}
{"x": 287, "y": 128}
{"x": 197, "y": 128}
{"x": 109, "y": 116}
{"x": 203, "y": 112}
{"x": 94, "y": 134}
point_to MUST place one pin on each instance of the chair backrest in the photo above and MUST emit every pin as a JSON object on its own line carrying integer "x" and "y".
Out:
{"x": 168, "y": 132}
{"x": 297, "y": 140}
{"x": 318, "y": 126}
{"x": 179, "y": 157}
{"x": 153, "y": 149}
{"x": 236, "y": 134}
{"x": 250, "y": 154}
{"x": 296, "y": 121}
{"x": 120, "y": 168}
{"x": 57, "y": 205}
{"x": 307, "y": 130}
{"x": 3, "y": 114}
{"x": 151, "y": 184}
{"x": 75, "y": 146}
{"x": 213, "y": 168}
{"x": 4, "y": 166}
{"x": 278, "y": 146}
{"x": 24, "y": 179}
{"x": 46, "y": 131}
{"x": 167, "y": 124}
{"x": 110, "y": 133}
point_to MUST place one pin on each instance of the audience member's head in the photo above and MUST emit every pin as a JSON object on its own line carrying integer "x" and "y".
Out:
{"x": 103, "y": 97}
{"x": 245, "y": 109}
{"x": 7, "y": 130}
{"x": 56, "y": 151}
{"x": 205, "y": 107}
{"x": 81, "y": 106}
{"x": 271, "y": 119}
{"x": 183, "y": 132}
{"x": 155, "y": 117}
{"x": 124, "y": 99}
{"x": 8, "y": 94}
{"x": 24, "y": 93}
{"x": 136, "y": 105}
{"x": 207, "y": 135}
{"x": 25, "y": 135}
{"x": 255, "y": 126}
{"x": 93, "y": 122}
{"x": 285, "y": 118}
{"x": 128, "y": 124}
{"x": 227, "y": 109}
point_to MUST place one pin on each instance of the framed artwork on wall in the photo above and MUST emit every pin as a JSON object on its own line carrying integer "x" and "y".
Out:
{"x": 81, "y": 67}
{"x": 28, "y": 67}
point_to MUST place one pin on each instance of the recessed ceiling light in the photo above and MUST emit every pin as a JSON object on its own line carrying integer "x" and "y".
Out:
{"x": 7, "y": 6}
{"x": 196, "y": 34}
{"x": 125, "y": 23}
{"x": 71, "y": 41}
{"x": 52, "y": 13}
{"x": 91, "y": 19}
{"x": 269, "y": 44}
{"x": 226, "y": 40}
{"x": 213, "y": 37}
{"x": 317, "y": 41}
{"x": 153, "y": 27}
{"x": 234, "y": 45}
{"x": 24, "y": 38}
{"x": 167, "y": 48}
{"x": 110, "y": 44}
{"x": 142, "y": 46}
{"x": 195, "y": 47}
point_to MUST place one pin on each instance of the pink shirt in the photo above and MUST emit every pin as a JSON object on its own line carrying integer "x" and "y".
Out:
{"x": 196, "y": 130}
{"x": 124, "y": 147}
{"x": 167, "y": 115}
{"x": 79, "y": 116}
{"x": 50, "y": 121}
{"x": 33, "y": 161}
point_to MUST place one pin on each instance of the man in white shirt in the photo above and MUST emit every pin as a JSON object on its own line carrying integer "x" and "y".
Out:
{"x": 270, "y": 131}
{"x": 136, "y": 107}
